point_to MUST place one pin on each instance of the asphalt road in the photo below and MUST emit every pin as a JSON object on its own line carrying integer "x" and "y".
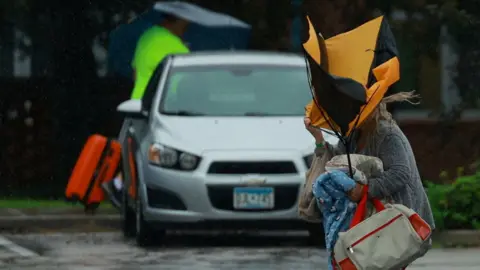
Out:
{"x": 109, "y": 251}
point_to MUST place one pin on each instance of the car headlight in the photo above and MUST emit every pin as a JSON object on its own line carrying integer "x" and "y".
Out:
{"x": 187, "y": 161}
{"x": 167, "y": 157}
{"x": 308, "y": 160}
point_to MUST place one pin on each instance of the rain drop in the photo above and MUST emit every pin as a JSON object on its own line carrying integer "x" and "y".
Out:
{"x": 27, "y": 105}
{"x": 29, "y": 121}
{"x": 12, "y": 115}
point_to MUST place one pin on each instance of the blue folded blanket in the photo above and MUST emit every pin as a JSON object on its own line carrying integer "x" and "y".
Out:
{"x": 330, "y": 190}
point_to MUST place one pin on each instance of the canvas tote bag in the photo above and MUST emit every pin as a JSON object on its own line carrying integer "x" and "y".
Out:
{"x": 392, "y": 238}
{"x": 307, "y": 205}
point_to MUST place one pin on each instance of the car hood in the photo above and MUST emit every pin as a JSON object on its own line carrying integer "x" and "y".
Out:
{"x": 236, "y": 133}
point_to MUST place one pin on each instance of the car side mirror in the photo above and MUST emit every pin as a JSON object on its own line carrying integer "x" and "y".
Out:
{"x": 132, "y": 109}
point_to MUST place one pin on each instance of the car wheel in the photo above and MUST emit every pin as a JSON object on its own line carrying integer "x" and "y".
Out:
{"x": 128, "y": 217}
{"x": 316, "y": 235}
{"x": 145, "y": 234}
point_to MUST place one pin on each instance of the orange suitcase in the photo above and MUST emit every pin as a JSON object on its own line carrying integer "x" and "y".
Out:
{"x": 98, "y": 162}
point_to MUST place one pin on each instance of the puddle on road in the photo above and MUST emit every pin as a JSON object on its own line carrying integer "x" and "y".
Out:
{"x": 109, "y": 251}
{"x": 6, "y": 253}
{"x": 37, "y": 247}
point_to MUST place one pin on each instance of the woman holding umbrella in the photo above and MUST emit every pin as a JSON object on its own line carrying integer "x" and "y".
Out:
{"x": 349, "y": 75}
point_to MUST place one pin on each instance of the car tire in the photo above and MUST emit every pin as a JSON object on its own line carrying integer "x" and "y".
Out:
{"x": 146, "y": 235}
{"x": 128, "y": 217}
{"x": 316, "y": 235}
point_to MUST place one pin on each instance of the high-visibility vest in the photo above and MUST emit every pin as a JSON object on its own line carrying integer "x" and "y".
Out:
{"x": 152, "y": 47}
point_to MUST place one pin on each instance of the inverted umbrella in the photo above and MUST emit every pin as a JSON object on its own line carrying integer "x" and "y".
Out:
{"x": 349, "y": 75}
{"x": 209, "y": 30}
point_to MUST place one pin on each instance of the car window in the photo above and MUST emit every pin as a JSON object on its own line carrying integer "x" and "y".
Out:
{"x": 152, "y": 85}
{"x": 237, "y": 91}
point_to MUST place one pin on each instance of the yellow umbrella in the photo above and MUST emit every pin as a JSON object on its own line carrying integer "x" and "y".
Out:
{"x": 363, "y": 58}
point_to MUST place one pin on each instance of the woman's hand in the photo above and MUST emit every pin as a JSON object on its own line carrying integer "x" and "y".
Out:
{"x": 356, "y": 194}
{"x": 316, "y": 132}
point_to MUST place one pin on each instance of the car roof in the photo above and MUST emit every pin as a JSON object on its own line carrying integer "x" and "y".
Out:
{"x": 238, "y": 58}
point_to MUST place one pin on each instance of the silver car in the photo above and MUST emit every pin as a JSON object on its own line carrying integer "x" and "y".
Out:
{"x": 217, "y": 142}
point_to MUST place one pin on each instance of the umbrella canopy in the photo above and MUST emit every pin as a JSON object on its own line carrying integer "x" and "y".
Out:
{"x": 195, "y": 14}
{"x": 351, "y": 77}
{"x": 209, "y": 31}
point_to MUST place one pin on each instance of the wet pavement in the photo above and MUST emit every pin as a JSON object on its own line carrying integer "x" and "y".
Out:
{"x": 109, "y": 251}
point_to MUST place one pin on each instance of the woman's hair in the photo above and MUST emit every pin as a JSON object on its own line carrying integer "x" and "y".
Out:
{"x": 381, "y": 112}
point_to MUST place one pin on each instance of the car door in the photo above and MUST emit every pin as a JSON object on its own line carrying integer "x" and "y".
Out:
{"x": 138, "y": 129}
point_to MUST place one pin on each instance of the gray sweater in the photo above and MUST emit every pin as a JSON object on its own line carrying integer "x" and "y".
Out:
{"x": 401, "y": 179}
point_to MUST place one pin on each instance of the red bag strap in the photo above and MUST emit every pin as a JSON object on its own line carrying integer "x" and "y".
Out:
{"x": 361, "y": 211}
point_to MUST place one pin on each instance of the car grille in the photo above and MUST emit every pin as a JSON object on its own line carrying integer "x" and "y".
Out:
{"x": 260, "y": 167}
{"x": 221, "y": 197}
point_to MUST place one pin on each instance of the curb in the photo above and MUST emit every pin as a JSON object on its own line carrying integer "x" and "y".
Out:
{"x": 458, "y": 238}
{"x": 36, "y": 223}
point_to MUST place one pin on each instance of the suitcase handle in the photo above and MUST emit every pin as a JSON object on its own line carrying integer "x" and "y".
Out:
{"x": 361, "y": 211}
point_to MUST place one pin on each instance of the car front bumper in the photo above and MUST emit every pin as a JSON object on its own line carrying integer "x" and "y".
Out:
{"x": 175, "y": 197}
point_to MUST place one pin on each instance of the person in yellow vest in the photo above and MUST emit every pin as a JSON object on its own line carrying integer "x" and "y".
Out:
{"x": 153, "y": 46}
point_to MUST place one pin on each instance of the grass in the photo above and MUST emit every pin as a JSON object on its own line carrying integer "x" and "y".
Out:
{"x": 436, "y": 244}
{"x": 30, "y": 203}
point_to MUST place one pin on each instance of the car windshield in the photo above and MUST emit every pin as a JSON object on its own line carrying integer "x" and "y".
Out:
{"x": 236, "y": 91}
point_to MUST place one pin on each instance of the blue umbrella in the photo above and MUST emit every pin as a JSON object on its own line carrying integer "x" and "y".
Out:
{"x": 209, "y": 31}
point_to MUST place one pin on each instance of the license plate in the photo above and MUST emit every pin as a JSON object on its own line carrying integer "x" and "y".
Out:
{"x": 253, "y": 198}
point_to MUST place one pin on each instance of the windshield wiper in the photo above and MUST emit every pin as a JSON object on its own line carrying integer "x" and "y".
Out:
{"x": 256, "y": 114}
{"x": 182, "y": 113}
